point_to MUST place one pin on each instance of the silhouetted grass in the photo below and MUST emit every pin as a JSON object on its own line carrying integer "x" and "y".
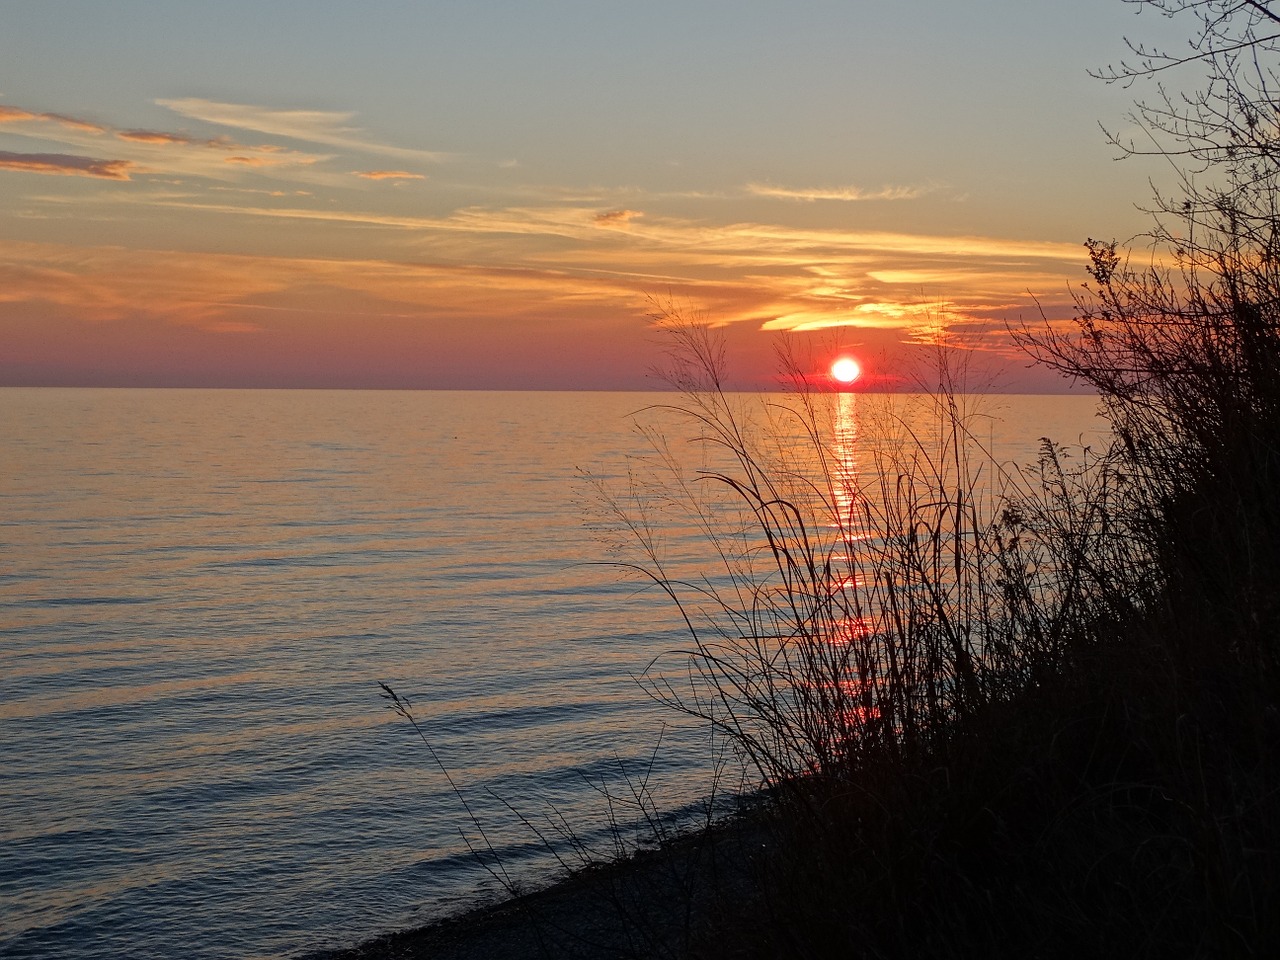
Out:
{"x": 991, "y": 711}
{"x": 999, "y": 713}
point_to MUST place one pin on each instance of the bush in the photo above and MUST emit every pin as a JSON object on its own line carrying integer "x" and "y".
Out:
{"x": 1015, "y": 712}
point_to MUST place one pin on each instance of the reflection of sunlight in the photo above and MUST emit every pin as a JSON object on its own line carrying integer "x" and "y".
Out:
{"x": 848, "y": 629}
{"x": 845, "y": 474}
{"x": 846, "y": 500}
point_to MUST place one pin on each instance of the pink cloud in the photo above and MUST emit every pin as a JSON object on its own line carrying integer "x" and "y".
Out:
{"x": 74, "y": 122}
{"x": 152, "y": 136}
{"x": 612, "y": 218}
{"x": 388, "y": 175}
{"x": 17, "y": 115}
{"x": 269, "y": 161}
{"x": 163, "y": 138}
{"x": 65, "y": 164}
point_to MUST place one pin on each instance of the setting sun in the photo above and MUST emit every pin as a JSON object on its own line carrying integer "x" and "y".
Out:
{"x": 846, "y": 370}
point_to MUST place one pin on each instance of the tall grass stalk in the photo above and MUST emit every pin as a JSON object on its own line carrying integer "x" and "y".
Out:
{"x": 879, "y": 576}
{"x": 959, "y": 681}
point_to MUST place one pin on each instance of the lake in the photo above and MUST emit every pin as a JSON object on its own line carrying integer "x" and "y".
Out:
{"x": 200, "y": 592}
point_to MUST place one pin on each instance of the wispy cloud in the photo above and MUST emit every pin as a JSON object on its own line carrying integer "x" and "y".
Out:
{"x": 164, "y": 138}
{"x": 388, "y": 175}
{"x": 846, "y": 194}
{"x": 881, "y": 257}
{"x": 152, "y": 136}
{"x": 316, "y": 126}
{"x": 272, "y": 159}
{"x": 18, "y": 115}
{"x": 249, "y": 191}
{"x": 611, "y": 218}
{"x": 774, "y": 276}
{"x": 147, "y": 150}
{"x": 330, "y": 127}
{"x": 210, "y": 290}
{"x": 65, "y": 164}
{"x": 864, "y": 316}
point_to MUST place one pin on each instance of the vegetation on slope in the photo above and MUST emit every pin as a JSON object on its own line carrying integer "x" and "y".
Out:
{"x": 1036, "y": 715}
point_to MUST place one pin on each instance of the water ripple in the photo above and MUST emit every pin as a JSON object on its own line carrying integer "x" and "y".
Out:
{"x": 201, "y": 591}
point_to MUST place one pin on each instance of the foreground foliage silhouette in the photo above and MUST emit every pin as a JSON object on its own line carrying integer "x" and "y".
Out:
{"x": 998, "y": 714}
{"x": 1012, "y": 714}
{"x": 1003, "y": 713}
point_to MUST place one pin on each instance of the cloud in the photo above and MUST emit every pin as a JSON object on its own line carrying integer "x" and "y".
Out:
{"x": 314, "y": 125}
{"x": 153, "y": 136}
{"x": 265, "y": 193}
{"x": 275, "y": 160}
{"x": 680, "y": 243}
{"x": 388, "y": 175}
{"x": 846, "y": 194}
{"x": 66, "y": 164}
{"x": 499, "y": 275}
{"x": 74, "y": 123}
{"x": 140, "y": 150}
{"x": 260, "y": 155}
{"x": 210, "y": 290}
{"x": 750, "y": 273}
{"x": 164, "y": 138}
{"x": 330, "y": 127}
{"x": 614, "y": 217}
{"x": 18, "y": 115}
{"x": 884, "y": 315}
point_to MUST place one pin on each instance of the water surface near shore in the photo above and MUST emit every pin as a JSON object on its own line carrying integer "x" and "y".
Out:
{"x": 200, "y": 591}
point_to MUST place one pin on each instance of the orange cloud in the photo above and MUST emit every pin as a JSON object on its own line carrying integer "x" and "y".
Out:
{"x": 154, "y": 136}
{"x": 164, "y": 138}
{"x": 614, "y": 217}
{"x": 74, "y": 123}
{"x": 388, "y": 175}
{"x": 182, "y": 152}
{"x": 13, "y": 115}
{"x": 300, "y": 300}
{"x": 847, "y": 194}
{"x": 210, "y": 290}
{"x": 66, "y": 164}
{"x": 314, "y": 126}
{"x": 17, "y": 114}
{"x": 270, "y": 161}
{"x": 755, "y": 274}
{"x": 247, "y": 191}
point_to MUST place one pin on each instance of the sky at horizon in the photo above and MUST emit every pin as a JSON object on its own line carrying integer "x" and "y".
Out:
{"x": 499, "y": 194}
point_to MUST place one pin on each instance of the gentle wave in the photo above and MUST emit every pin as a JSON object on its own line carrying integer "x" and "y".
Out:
{"x": 201, "y": 591}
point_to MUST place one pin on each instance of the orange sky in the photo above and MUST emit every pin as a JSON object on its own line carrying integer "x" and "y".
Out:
{"x": 371, "y": 208}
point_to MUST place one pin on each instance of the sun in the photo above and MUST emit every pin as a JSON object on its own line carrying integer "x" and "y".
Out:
{"x": 846, "y": 370}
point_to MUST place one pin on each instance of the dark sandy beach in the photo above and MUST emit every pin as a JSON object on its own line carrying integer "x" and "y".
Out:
{"x": 677, "y": 900}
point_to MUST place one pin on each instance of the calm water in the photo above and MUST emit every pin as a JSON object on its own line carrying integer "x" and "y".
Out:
{"x": 199, "y": 591}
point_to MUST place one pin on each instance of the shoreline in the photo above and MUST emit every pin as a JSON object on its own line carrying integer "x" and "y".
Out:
{"x": 667, "y": 900}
